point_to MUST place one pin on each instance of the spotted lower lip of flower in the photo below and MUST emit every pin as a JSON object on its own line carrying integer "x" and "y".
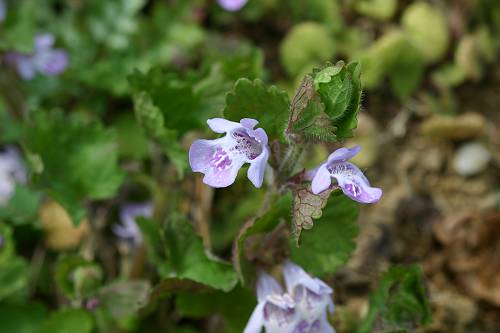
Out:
{"x": 232, "y": 5}
{"x": 221, "y": 159}
{"x": 349, "y": 177}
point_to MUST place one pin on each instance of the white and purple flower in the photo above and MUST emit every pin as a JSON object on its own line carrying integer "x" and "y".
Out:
{"x": 221, "y": 159}
{"x": 12, "y": 171}
{"x": 44, "y": 59}
{"x": 232, "y": 5}
{"x": 302, "y": 309}
{"x": 128, "y": 229}
{"x": 349, "y": 177}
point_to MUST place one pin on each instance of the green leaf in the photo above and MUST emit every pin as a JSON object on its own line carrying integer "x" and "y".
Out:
{"x": 20, "y": 26}
{"x": 170, "y": 286}
{"x": 399, "y": 302}
{"x": 22, "y": 207}
{"x": 308, "y": 120}
{"x": 14, "y": 275}
{"x": 80, "y": 160}
{"x": 252, "y": 99}
{"x": 21, "y": 318}
{"x": 235, "y": 307}
{"x": 339, "y": 88}
{"x": 68, "y": 321}
{"x": 77, "y": 277}
{"x": 124, "y": 298}
{"x": 14, "y": 270}
{"x": 173, "y": 96}
{"x": 187, "y": 258}
{"x": 260, "y": 224}
{"x": 328, "y": 244}
{"x": 178, "y": 251}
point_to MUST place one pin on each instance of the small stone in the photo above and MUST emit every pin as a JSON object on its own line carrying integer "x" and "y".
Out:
{"x": 471, "y": 159}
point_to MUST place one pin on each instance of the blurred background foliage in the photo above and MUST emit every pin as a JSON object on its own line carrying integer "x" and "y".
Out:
{"x": 143, "y": 77}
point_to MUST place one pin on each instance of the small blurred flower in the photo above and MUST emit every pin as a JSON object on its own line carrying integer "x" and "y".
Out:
{"x": 232, "y": 5}
{"x": 349, "y": 177}
{"x": 128, "y": 229}
{"x": 302, "y": 309}
{"x": 12, "y": 171}
{"x": 221, "y": 159}
{"x": 3, "y": 10}
{"x": 44, "y": 59}
{"x": 92, "y": 303}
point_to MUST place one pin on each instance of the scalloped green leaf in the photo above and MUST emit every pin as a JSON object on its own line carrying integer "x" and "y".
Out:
{"x": 253, "y": 99}
{"x": 329, "y": 243}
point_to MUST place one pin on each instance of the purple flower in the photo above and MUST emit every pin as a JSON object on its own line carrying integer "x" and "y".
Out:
{"x": 220, "y": 159}
{"x": 128, "y": 229}
{"x": 312, "y": 298}
{"x": 44, "y": 59}
{"x": 349, "y": 177}
{"x": 232, "y": 5}
{"x": 301, "y": 309}
{"x": 12, "y": 171}
{"x": 275, "y": 309}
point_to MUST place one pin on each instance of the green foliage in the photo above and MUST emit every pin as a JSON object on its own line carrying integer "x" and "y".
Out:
{"x": 79, "y": 160}
{"x": 329, "y": 243}
{"x": 22, "y": 207}
{"x": 379, "y": 9}
{"x": 77, "y": 277}
{"x": 400, "y": 301}
{"x": 20, "y": 26}
{"x": 25, "y": 318}
{"x": 427, "y": 28}
{"x": 14, "y": 270}
{"x": 395, "y": 56}
{"x": 326, "y": 104}
{"x": 234, "y": 307}
{"x": 124, "y": 298}
{"x": 339, "y": 88}
{"x": 69, "y": 320}
{"x": 262, "y": 223}
{"x": 178, "y": 252}
{"x": 252, "y": 99}
{"x": 306, "y": 45}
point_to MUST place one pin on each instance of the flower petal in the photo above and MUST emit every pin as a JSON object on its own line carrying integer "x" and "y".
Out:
{"x": 326, "y": 327}
{"x": 295, "y": 275}
{"x": 267, "y": 286}
{"x": 44, "y": 42}
{"x": 232, "y": 5}
{"x": 224, "y": 177}
{"x": 52, "y": 62}
{"x": 248, "y": 123}
{"x": 321, "y": 180}
{"x": 200, "y": 154}
{"x": 354, "y": 184}
{"x": 258, "y": 167}
{"x": 221, "y": 125}
{"x": 256, "y": 320}
{"x": 344, "y": 154}
{"x": 25, "y": 67}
